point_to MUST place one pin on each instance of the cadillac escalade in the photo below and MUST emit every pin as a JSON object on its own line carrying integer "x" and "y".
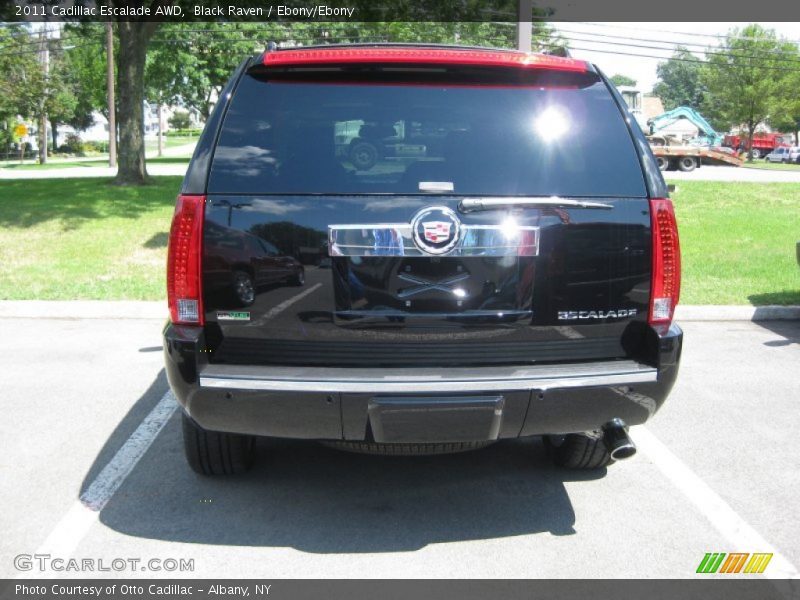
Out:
{"x": 510, "y": 268}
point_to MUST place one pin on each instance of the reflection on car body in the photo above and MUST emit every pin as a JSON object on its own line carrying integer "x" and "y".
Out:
{"x": 239, "y": 263}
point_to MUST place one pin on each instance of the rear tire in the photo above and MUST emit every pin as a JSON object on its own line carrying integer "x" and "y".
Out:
{"x": 687, "y": 164}
{"x": 663, "y": 163}
{"x": 215, "y": 452}
{"x": 244, "y": 290}
{"x": 363, "y": 155}
{"x": 756, "y": 153}
{"x": 404, "y": 449}
{"x": 299, "y": 279}
{"x": 578, "y": 450}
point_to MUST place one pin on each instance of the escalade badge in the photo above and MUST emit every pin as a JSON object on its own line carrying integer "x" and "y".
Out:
{"x": 571, "y": 315}
{"x": 436, "y": 230}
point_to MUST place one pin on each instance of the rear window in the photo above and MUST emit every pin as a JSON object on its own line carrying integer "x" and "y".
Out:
{"x": 402, "y": 131}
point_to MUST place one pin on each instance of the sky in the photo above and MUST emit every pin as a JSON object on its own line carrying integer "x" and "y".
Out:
{"x": 587, "y": 42}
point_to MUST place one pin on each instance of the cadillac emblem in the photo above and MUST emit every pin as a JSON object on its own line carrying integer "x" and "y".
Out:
{"x": 436, "y": 230}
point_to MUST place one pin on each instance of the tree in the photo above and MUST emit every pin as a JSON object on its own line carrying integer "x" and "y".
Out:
{"x": 17, "y": 65}
{"x": 85, "y": 65}
{"x": 27, "y": 87}
{"x": 60, "y": 102}
{"x": 622, "y": 80}
{"x": 193, "y": 61}
{"x": 786, "y": 114}
{"x": 679, "y": 81}
{"x": 14, "y": 66}
{"x": 749, "y": 78}
{"x": 133, "y": 39}
{"x": 168, "y": 72}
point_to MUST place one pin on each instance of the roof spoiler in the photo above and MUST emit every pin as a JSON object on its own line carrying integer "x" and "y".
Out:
{"x": 417, "y": 54}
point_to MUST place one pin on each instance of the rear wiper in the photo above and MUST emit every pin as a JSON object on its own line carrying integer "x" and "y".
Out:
{"x": 481, "y": 204}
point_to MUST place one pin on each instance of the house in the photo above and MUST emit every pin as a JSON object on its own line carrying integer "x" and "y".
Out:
{"x": 98, "y": 131}
{"x": 167, "y": 111}
{"x": 652, "y": 106}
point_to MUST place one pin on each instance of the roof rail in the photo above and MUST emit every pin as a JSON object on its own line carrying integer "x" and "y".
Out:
{"x": 392, "y": 45}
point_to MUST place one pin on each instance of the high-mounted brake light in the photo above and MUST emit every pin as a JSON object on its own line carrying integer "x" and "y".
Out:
{"x": 424, "y": 56}
{"x": 184, "y": 261}
{"x": 665, "y": 287}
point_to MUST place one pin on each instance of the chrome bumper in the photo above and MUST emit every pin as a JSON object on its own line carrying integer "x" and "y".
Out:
{"x": 446, "y": 381}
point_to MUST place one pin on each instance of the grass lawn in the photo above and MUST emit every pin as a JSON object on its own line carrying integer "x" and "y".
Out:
{"x": 170, "y": 142}
{"x": 84, "y": 239}
{"x": 738, "y": 242}
{"x": 87, "y": 239}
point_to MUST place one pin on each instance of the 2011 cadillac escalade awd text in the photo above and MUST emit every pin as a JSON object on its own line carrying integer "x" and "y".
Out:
{"x": 414, "y": 249}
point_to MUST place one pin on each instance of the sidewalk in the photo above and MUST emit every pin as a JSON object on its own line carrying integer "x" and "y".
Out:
{"x": 153, "y": 169}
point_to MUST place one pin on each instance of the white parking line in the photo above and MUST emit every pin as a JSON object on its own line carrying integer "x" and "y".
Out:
{"x": 73, "y": 527}
{"x": 118, "y": 468}
{"x": 276, "y": 310}
{"x": 734, "y": 528}
{"x": 287, "y": 303}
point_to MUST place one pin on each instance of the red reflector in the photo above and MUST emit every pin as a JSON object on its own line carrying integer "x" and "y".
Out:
{"x": 184, "y": 261}
{"x": 434, "y": 56}
{"x": 665, "y": 287}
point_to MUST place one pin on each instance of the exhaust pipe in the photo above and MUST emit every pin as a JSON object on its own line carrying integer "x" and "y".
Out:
{"x": 616, "y": 440}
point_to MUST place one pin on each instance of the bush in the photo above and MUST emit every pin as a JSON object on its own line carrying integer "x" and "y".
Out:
{"x": 180, "y": 120}
{"x": 73, "y": 145}
{"x": 184, "y": 132}
{"x": 99, "y": 147}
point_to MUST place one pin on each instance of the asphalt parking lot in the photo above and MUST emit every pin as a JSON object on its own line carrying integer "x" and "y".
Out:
{"x": 716, "y": 472}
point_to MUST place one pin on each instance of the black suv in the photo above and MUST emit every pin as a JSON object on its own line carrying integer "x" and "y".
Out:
{"x": 510, "y": 268}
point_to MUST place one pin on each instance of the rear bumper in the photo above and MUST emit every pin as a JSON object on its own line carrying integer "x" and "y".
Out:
{"x": 416, "y": 405}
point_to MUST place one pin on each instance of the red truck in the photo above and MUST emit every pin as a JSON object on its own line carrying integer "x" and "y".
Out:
{"x": 763, "y": 143}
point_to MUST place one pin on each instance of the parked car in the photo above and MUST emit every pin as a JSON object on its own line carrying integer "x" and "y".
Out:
{"x": 366, "y": 143}
{"x": 794, "y": 154}
{"x": 779, "y": 155}
{"x": 517, "y": 278}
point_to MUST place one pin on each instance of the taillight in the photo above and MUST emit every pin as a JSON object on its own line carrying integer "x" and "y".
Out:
{"x": 184, "y": 261}
{"x": 665, "y": 288}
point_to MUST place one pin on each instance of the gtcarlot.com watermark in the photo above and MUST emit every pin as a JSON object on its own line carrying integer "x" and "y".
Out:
{"x": 46, "y": 562}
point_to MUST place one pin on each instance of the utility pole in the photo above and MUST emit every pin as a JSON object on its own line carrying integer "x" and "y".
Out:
{"x": 112, "y": 115}
{"x": 524, "y": 26}
{"x": 44, "y": 59}
{"x": 160, "y": 128}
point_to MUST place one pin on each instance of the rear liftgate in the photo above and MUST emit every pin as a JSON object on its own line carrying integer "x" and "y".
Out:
{"x": 437, "y": 272}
